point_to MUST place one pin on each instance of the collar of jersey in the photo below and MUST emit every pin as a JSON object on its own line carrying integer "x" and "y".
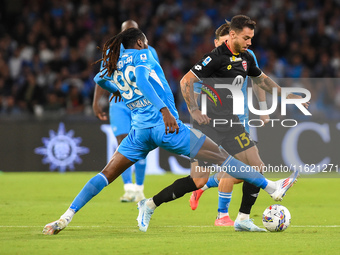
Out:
{"x": 129, "y": 50}
{"x": 235, "y": 54}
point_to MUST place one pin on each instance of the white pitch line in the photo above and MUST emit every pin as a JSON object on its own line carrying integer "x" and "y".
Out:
{"x": 203, "y": 226}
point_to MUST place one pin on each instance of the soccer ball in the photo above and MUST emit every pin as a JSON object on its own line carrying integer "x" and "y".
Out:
{"x": 276, "y": 218}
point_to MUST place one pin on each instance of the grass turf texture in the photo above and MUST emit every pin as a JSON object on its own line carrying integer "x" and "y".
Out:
{"x": 106, "y": 226}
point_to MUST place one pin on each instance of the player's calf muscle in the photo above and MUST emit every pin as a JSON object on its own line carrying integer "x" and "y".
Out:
{"x": 117, "y": 165}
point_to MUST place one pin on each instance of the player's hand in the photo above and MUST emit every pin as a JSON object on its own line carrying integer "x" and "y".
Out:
{"x": 201, "y": 119}
{"x": 170, "y": 122}
{"x": 293, "y": 96}
{"x": 98, "y": 112}
{"x": 265, "y": 119}
{"x": 117, "y": 96}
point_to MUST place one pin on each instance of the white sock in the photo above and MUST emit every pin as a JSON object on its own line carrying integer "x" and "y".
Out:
{"x": 221, "y": 215}
{"x": 129, "y": 187}
{"x": 151, "y": 204}
{"x": 205, "y": 187}
{"x": 68, "y": 215}
{"x": 271, "y": 187}
{"x": 242, "y": 216}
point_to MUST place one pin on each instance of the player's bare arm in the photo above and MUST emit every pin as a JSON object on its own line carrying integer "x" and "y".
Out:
{"x": 187, "y": 88}
{"x": 99, "y": 92}
{"x": 267, "y": 84}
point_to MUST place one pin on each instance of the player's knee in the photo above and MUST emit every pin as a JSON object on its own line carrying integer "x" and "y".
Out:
{"x": 200, "y": 182}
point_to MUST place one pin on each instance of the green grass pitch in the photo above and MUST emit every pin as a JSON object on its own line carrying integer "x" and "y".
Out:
{"x": 105, "y": 226}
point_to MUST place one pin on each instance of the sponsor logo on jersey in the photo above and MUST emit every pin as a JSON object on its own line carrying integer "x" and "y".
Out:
{"x": 235, "y": 59}
{"x": 229, "y": 67}
{"x": 206, "y": 61}
{"x": 244, "y": 64}
{"x": 143, "y": 57}
{"x": 198, "y": 67}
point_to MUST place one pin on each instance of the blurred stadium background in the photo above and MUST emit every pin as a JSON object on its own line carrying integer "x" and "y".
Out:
{"x": 47, "y": 48}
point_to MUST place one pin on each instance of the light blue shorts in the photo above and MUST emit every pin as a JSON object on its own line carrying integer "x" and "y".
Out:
{"x": 140, "y": 142}
{"x": 120, "y": 118}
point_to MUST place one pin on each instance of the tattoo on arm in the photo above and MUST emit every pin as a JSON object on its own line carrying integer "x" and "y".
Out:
{"x": 187, "y": 88}
{"x": 259, "y": 92}
{"x": 266, "y": 84}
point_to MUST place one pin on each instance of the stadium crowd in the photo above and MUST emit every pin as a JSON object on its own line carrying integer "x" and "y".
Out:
{"x": 47, "y": 47}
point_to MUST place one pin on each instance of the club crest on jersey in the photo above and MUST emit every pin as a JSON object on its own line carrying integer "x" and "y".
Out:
{"x": 206, "y": 61}
{"x": 143, "y": 57}
{"x": 244, "y": 64}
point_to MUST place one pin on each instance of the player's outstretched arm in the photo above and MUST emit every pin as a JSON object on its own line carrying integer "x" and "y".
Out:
{"x": 187, "y": 88}
{"x": 148, "y": 91}
{"x": 267, "y": 84}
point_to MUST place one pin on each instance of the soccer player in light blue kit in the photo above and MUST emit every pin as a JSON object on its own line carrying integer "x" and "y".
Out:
{"x": 140, "y": 81}
{"x": 120, "y": 121}
{"x": 226, "y": 185}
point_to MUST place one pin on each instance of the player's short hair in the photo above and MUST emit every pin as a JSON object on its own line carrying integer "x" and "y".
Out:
{"x": 222, "y": 30}
{"x": 239, "y": 22}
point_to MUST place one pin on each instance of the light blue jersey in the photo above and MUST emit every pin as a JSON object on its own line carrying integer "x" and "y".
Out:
{"x": 243, "y": 118}
{"x": 120, "y": 121}
{"x": 132, "y": 101}
{"x": 120, "y": 114}
{"x": 145, "y": 91}
{"x": 144, "y": 114}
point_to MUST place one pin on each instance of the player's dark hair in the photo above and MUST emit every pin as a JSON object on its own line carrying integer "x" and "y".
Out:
{"x": 239, "y": 22}
{"x": 222, "y": 30}
{"x": 111, "y": 50}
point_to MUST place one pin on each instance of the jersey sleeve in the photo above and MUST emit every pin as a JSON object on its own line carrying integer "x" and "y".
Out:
{"x": 206, "y": 66}
{"x": 154, "y": 53}
{"x": 105, "y": 83}
{"x": 144, "y": 62}
{"x": 144, "y": 58}
{"x": 254, "y": 69}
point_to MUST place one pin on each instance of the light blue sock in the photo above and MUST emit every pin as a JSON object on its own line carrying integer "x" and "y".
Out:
{"x": 127, "y": 176}
{"x": 224, "y": 201}
{"x": 212, "y": 181}
{"x": 140, "y": 171}
{"x": 239, "y": 170}
{"x": 91, "y": 188}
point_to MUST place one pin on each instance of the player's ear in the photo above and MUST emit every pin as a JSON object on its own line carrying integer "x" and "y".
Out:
{"x": 216, "y": 42}
{"x": 140, "y": 44}
{"x": 232, "y": 34}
